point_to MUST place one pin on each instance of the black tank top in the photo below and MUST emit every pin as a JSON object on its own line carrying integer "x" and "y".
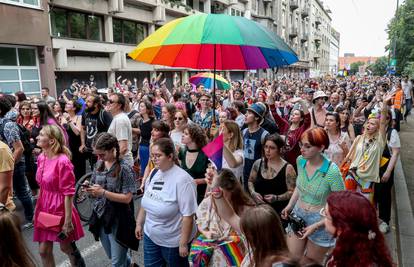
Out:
{"x": 275, "y": 186}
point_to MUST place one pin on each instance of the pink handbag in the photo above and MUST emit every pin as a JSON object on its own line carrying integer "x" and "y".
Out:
{"x": 50, "y": 222}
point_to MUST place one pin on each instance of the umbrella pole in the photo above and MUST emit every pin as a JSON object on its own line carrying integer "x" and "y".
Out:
{"x": 214, "y": 88}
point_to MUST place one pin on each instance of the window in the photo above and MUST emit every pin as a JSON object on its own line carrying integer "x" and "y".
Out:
{"x": 77, "y": 25}
{"x": 26, "y": 3}
{"x": 19, "y": 70}
{"x": 129, "y": 32}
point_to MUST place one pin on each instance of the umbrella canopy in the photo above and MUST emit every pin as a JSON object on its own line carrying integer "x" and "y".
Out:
{"x": 207, "y": 79}
{"x": 214, "y": 41}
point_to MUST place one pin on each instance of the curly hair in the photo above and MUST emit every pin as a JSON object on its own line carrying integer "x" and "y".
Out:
{"x": 354, "y": 217}
{"x": 197, "y": 134}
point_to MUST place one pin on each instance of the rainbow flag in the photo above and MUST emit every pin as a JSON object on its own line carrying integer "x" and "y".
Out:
{"x": 214, "y": 151}
{"x": 232, "y": 252}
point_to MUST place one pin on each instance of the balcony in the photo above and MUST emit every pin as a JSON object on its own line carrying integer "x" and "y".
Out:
{"x": 304, "y": 37}
{"x": 318, "y": 20}
{"x": 305, "y": 12}
{"x": 317, "y": 37}
{"x": 293, "y": 4}
{"x": 293, "y": 32}
{"x": 317, "y": 54}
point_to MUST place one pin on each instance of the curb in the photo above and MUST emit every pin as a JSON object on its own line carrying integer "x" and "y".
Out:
{"x": 404, "y": 220}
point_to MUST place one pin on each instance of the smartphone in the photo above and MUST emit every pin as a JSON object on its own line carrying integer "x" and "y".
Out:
{"x": 86, "y": 185}
{"x": 62, "y": 236}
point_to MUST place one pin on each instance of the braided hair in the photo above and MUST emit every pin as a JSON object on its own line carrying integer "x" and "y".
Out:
{"x": 106, "y": 141}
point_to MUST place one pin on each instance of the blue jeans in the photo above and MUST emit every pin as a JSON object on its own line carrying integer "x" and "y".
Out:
{"x": 143, "y": 157}
{"x": 116, "y": 253}
{"x": 22, "y": 191}
{"x": 157, "y": 256}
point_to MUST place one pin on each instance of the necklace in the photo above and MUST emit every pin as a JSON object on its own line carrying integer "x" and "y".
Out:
{"x": 367, "y": 146}
{"x": 193, "y": 150}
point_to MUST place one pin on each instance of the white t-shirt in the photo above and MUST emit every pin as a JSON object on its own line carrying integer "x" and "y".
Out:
{"x": 394, "y": 141}
{"x": 238, "y": 171}
{"x": 168, "y": 197}
{"x": 407, "y": 87}
{"x": 121, "y": 128}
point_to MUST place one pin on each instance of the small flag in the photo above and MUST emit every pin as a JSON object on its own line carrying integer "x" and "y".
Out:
{"x": 214, "y": 151}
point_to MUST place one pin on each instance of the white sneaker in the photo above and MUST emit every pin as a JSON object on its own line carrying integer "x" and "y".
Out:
{"x": 384, "y": 228}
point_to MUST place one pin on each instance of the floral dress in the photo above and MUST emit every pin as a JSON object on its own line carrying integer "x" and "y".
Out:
{"x": 208, "y": 220}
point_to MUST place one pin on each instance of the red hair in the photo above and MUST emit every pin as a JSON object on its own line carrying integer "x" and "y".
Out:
{"x": 354, "y": 217}
{"x": 316, "y": 136}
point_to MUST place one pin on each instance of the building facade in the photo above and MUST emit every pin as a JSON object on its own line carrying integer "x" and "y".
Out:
{"x": 349, "y": 58}
{"x": 334, "y": 52}
{"x": 74, "y": 39}
{"x": 26, "y": 58}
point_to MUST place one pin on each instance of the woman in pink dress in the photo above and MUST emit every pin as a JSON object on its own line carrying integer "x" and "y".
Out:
{"x": 57, "y": 187}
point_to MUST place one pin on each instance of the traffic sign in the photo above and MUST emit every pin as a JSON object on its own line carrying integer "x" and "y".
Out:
{"x": 393, "y": 62}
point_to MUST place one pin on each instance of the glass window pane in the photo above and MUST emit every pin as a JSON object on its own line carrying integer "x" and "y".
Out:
{"x": 59, "y": 23}
{"x": 94, "y": 28}
{"x": 7, "y": 75}
{"x": 8, "y": 56}
{"x": 117, "y": 25}
{"x": 129, "y": 32}
{"x": 77, "y": 25}
{"x": 29, "y": 74}
{"x": 31, "y": 2}
{"x": 31, "y": 87}
{"x": 9, "y": 87}
{"x": 27, "y": 57}
{"x": 141, "y": 32}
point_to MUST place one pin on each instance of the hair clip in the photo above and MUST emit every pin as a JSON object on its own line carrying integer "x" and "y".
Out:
{"x": 371, "y": 235}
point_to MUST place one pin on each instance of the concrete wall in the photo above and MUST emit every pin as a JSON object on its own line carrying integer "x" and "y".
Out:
{"x": 30, "y": 27}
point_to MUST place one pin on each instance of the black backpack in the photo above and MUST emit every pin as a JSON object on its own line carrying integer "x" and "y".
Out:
{"x": 24, "y": 136}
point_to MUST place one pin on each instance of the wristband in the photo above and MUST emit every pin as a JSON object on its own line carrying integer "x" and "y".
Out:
{"x": 103, "y": 194}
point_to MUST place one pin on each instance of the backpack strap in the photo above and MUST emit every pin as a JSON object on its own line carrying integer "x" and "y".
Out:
{"x": 101, "y": 118}
{"x": 153, "y": 172}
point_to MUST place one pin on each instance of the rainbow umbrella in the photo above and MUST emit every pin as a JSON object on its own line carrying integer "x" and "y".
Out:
{"x": 215, "y": 42}
{"x": 207, "y": 79}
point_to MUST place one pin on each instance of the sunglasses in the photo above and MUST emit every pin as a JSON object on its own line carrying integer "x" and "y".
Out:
{"x": 179, "y": 118}
{"x": 111, "y": 101}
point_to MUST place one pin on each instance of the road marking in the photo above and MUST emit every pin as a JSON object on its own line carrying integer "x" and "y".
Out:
{"x": 85, "y": 253}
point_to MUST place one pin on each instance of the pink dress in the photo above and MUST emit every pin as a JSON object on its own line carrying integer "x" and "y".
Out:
{"x": 57, "y": 180}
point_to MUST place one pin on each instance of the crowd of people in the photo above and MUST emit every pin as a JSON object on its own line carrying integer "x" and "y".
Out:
{"x": 307, "y": 165}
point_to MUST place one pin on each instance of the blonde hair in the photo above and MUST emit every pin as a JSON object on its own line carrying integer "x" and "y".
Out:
{"x": 237, "y": 140}
{"x": 58, "y": 147}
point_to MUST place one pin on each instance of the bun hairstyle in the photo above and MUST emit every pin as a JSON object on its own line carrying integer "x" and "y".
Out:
{"x": 106, "y": 142}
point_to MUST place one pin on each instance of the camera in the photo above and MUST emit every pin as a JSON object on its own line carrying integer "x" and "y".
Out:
{"x": 296, "y": 223}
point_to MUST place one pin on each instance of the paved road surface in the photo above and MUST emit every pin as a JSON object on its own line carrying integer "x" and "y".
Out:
{"x": 91, "y": 250}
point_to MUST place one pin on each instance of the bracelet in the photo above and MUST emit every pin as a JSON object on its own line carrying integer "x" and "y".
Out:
{"x": 103, "y": 194}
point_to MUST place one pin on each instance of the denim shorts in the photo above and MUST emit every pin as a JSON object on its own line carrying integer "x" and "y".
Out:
{"x": 320, "y": 237}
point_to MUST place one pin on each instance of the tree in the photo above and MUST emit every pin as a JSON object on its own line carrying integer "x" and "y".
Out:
{"x": 355, "y": 67}
{"x": 401, "y": 35}
{"x": 379, "y": 68}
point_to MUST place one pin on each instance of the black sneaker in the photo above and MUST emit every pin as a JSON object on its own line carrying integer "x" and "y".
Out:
{"x": 79, "y": 261}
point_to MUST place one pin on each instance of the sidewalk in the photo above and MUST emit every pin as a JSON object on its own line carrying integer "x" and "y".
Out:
{"x": 403, "y": 220}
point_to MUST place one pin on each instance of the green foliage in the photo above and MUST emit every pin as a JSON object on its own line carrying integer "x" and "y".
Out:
{"x": 409, "y": 70}
{"x": 355, "y": 67}
{"x": 401, "y": 35}
{"x": 379, "y": 68}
